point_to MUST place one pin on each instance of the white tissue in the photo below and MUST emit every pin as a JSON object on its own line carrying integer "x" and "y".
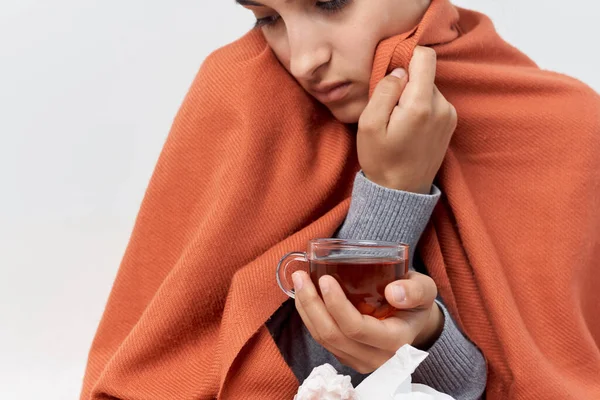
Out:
{"x": 391, "y": 381}
{"x": 324, "y": 383}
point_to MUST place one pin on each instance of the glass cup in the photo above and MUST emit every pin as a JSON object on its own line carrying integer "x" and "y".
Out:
{"x": 363, "y": 268}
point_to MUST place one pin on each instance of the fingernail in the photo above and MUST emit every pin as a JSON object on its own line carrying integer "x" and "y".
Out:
{"x": 324, "y": 285}
{"x": 399, "y": 73}
{"x": 399, "y": 293}
{"x": 297, "y": 281}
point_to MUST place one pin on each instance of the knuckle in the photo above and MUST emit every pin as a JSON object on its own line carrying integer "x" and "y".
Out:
{"x": 452, "y": 111}
{"x": 432, "y": 289}
{"x": 364, "y": 369}
{"x": 345, "y": 362}
{"x": 317, "y": 337}
{"x": 427, "y": 53}
{"x": 329, "y": 336}
{"x": 308, "y": 300}
{"x": 453, "y": 116}
{"x": 418, "y": 294}
{"x": 445, "y": 114}
{"x": 355, "y": 332}
{"x": 420, "y": 110}
{"x": 366, "y": 123}
{"x": 428, "y": 290}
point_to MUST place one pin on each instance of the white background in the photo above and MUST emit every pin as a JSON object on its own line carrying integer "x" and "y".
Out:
{"x": 88, "y": 90}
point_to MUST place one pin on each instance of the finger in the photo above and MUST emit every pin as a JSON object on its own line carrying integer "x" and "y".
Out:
{"x": 343, "y": 357}
{"x": 439, "y": 101}
{"x": 324, "y": 330}
{"x": 417, "y": 291}
{"x": 339, "y": 354}
{"x": 421, "y": 70}
{"x": 388, "y": 335}
{"x": 442, "y": 106}
{"x": 438, "y": 97}
{"x": 385, "y": 97}
{"x": 307, "y": 322}
{"x": 313, "y": 310}
{"x": 307, "y": 304}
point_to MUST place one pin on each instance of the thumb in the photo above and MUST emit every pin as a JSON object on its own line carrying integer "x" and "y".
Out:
{"x": 385, "y": 98}
{"x": 418, "y": 291}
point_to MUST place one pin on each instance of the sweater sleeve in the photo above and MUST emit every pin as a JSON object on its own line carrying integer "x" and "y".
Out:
{"x": 455, "y": 365}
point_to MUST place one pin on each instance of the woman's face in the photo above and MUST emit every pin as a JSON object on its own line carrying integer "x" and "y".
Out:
{"x": 328, "y": 46}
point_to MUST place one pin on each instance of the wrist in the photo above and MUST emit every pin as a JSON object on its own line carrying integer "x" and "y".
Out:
{"x": 403, "y": 184}
{"x": 432, "y": 330}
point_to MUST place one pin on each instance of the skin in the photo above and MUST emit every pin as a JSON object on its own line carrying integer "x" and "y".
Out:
{"x": 402, "y": 137}
{"x": 319, "y": 46}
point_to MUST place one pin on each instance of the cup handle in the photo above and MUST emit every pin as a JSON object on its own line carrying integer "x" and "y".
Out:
{"x": 282, "y": 267}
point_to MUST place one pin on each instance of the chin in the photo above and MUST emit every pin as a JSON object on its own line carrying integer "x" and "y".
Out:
{"x": 349, "y": 113}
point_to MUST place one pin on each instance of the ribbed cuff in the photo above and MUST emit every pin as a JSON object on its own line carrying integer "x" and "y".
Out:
{"x": 455, "y": 365}
{"x": 380, "y": 213}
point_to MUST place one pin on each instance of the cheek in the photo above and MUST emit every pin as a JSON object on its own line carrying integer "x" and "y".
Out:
{"x": 355, "y": 54}
{"x": 281, "y": 50}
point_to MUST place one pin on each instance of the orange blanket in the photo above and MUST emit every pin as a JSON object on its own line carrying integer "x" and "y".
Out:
{"x": 253, "y": 168}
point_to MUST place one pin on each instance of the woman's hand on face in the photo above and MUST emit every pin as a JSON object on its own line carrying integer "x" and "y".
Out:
{"x": 404, "y": 132}
{"x": 363, "y": 342}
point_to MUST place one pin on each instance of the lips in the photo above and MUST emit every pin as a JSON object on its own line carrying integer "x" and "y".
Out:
{"x": 330, "y": 93}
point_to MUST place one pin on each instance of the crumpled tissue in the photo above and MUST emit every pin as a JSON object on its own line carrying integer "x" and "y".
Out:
{"x": 324, "y": 383}
{"x": 391, "y": 381}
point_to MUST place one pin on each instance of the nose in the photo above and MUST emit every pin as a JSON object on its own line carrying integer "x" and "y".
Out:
{"x": 309, "y": 50}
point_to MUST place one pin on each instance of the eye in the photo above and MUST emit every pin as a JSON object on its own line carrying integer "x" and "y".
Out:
{"x": 266, "y": 21}
{"x": 333, "y": 5}
{"x": 326, "y": 6}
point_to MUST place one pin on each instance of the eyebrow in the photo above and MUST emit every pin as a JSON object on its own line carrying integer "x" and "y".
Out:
{"x": 250, "y": 3}
{"x": 253, "y": 3}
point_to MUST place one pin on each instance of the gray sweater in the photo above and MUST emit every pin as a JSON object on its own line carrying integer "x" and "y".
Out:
{"x": 455, "y": 365}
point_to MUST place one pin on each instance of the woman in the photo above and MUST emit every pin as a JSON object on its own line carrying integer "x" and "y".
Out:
{"x": 332, "y": 60}
{"x": 262, "y": 157}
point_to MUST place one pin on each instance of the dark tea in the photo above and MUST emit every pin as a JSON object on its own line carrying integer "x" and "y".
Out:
{"x": 363, "y": 280}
